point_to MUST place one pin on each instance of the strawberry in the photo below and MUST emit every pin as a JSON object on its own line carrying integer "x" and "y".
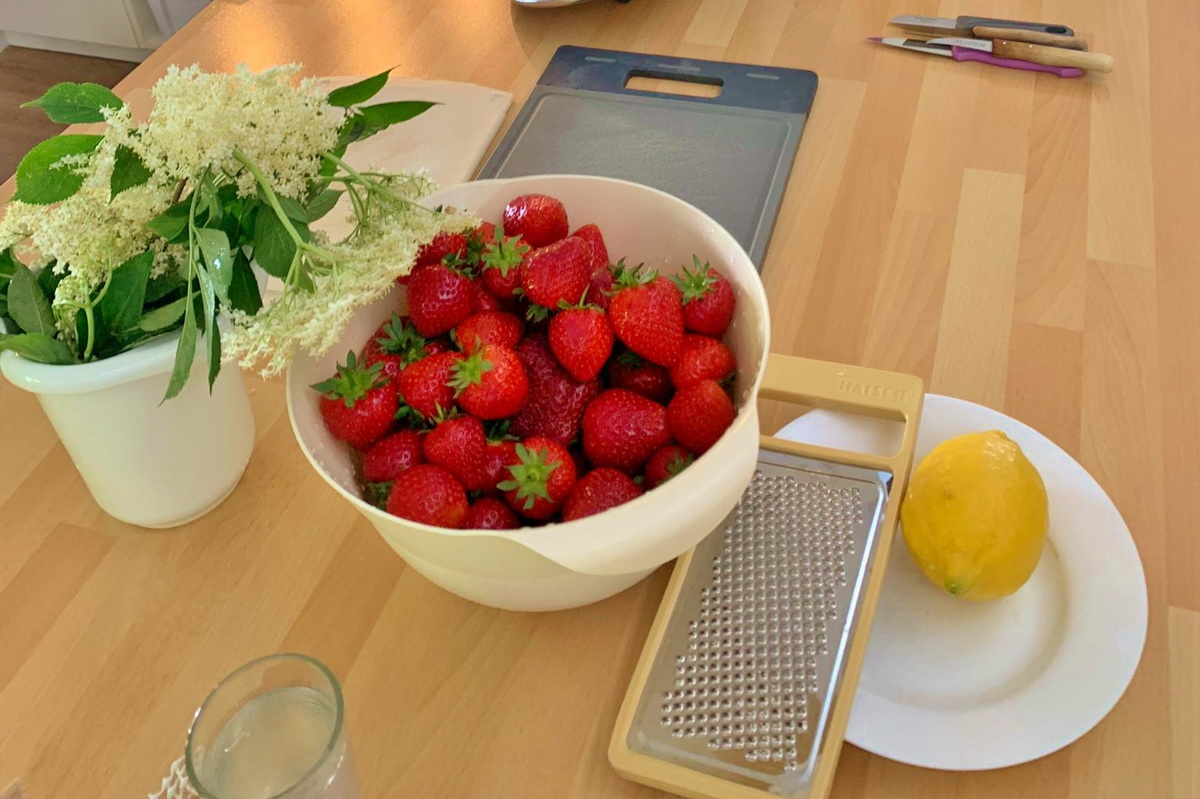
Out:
{"x": 389, "y": 456}
{"x": 458, "y": 445}
{"x": 442, "y": 245}
{"x": 489, "y": 327}
{"x": 703, "y": 358}
{"x": 632, "y": 372}
{"x": 581, "y": 340}
{"x": 425, "y": 385}
{"x": 438, "y": 346}
{"x": 666, "y": 463}
{"x": 358, "y": 404}
{"x": 485, "y": 300}
{"x": 489, "y": 513}
{"x": 599, "y": 490}
{"x": 497, "y": 456}
{"x": 491, "y": 383}
{"x": 556, "y": 273}
{"x": 395, "y": 344}
{"x": 542, "y": 473}
{"x": 477, "y": 241}
{"x": 430, "y": 495}
{"x": 698, "y": 414}
{"x": 707, "y": 299}
{"x": 538, "y": 219}
{"x": 600, "y": 287}
{"x": 598, "y": 253}
{"x": 646, "y": 313}
{"x": 500, "y": 268}
{"x": 622, "y": 429}
{"x": 556, "y": 400}
{"x": 439, "y": 297}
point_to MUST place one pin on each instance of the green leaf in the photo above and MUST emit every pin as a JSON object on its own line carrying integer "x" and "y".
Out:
{"x": 214, "y": 353}
{"x": 27, "y": 305}
{"x": 37, "y": 347}
{"x": 48, "y": 280}
{"x": 163, "y": 318}
{"x": 207, "y": 201}
{"x": 39, "y": 181}
{"x": 185, "y": 353}
{"x": 214, "y": 246}
{"x": 121, "y": 306}
{"x": 243, "y": 290}
{"x": 128, "y": 172}
{"x": 323, "y": 204}
{"x": 160, "y": 286}
{"x": 8, "y": 265}
{"x": 274, "y": 249}
{"x": 69, "y": 103}
{"x": 171, "y": 223}
{"x": 292, "y": 209}
{"x": 359, "y": 92}
{"x": 384, "y": 115}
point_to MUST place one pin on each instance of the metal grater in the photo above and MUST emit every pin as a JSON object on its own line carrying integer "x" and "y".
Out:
{"x": 745, "y": 683}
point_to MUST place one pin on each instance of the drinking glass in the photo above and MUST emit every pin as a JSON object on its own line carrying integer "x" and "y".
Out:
{"x": 273, "y": 729}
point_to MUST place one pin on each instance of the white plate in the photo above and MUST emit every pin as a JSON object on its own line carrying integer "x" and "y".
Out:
{"x": 966, "y": 686}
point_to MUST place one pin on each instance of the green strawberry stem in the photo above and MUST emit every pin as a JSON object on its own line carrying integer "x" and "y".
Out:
{"x": 469, "y": 372}
{"x": 530, "y": 477}
{"x": 696, "y": 282}
{"x": 351, "y": 381}
{"x": 504, "y": 254}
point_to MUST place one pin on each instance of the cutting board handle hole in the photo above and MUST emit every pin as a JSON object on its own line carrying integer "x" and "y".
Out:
{"x": 644, "y": 80}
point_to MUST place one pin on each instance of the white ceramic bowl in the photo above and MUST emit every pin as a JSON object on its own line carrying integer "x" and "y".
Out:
{"x": 574, "y": 563}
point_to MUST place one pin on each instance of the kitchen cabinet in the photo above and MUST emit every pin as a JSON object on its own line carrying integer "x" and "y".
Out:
{"x": 123, "y": 29}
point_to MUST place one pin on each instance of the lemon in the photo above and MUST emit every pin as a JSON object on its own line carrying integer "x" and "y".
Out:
{"x": 975, "y": 516}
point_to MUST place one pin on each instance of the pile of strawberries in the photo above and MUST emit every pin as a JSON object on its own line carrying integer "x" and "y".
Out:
{"x": 532, "y": 380}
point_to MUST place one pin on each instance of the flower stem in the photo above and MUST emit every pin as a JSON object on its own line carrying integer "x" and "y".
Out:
{"x": 273, "y": 201}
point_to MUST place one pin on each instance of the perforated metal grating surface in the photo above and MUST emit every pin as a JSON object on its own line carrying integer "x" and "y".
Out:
{"x": 752, "y": 655}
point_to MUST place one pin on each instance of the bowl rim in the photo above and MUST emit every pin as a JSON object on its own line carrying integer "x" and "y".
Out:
{"x": 528, "y": 535}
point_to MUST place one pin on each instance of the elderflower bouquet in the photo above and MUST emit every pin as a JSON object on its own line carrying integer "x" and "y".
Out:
{"x": 117, "y": 238}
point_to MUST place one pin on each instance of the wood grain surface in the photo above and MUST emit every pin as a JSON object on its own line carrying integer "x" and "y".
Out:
{"x": 1019, "y": 240}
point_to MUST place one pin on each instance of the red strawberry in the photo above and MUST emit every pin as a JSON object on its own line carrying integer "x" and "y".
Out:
{"x": 556, "y": 400}
{"x": 489, "y": 513}
{"x": 600, "y": 287}
{"x": 358, "y": 404}
{"x": 646, "y": 313}
{"x": 395, "y": 344}
{"x": 429, "y": 495}
{"x": 638, "y": 375}
{"x": 485, "y": 300}
{"x": 489, "y": 327}
{"x": 538, "y": 219}
{"x": 698, "y": 415}
{"x": 458, "y": 445}
{"x": 477, "y": 241}
{"x": 666, "y": 463}
{"x": 707, "y": 299}
{"x": 622, "y": 429}
{"x": 599, "y": 490}
{"x": 425, "y": 385}
{"x": 438, "y": 346}
{"x": 581, "y": 340}
{"x": 440, "y": 246}
{"x": 542, "y": 474}
{"x": 491, "y": 383}
{"x": 556, "y": 273}
{"x": 501, "y": 266}
{"x": 598, "y": 252}
{"x": 497, "y": 456}
{"x": 703, "y": 358}
{"x": 439, "y": 297}
{"x": 389, "y": 456}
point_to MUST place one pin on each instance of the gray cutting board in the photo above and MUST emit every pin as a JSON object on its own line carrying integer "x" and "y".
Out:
{"x": 729, "y": 155}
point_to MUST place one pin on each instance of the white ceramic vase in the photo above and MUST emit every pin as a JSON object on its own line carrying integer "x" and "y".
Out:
{"x": 146, "y": 463}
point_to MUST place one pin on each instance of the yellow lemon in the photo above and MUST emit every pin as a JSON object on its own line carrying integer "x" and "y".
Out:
{"x": 975, "y": 516}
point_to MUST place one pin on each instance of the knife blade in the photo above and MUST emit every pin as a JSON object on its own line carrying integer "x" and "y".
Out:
{"x": 1033, "y": 53}
{"x": 964, "y": 25}
{"x": 970, "y": 54}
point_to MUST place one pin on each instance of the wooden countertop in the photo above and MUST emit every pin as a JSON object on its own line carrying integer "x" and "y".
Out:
{"x": 1022, "y": 241}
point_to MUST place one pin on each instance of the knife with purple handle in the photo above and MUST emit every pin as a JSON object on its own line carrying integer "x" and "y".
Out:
{"x": 967, "y": 54}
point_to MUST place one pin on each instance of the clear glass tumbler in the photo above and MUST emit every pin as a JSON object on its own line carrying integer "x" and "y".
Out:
{"x": 273, "y": 729}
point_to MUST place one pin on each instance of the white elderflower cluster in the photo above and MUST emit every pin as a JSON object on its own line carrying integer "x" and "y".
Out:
{"x": 201, "y": 118}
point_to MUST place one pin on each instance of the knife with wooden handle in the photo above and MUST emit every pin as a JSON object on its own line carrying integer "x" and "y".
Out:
{"x": 1033, "y": 53}
{"x": 1033, "y": 37}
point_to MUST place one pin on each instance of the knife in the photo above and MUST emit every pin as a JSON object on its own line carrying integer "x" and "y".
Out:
{"x": 1012, "y": 30}
{"x": 971, "y": 54}
{"x": 1033, "y": 53}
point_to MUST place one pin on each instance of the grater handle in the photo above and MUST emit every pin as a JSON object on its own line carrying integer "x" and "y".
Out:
{"x": 842, "y": 387}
